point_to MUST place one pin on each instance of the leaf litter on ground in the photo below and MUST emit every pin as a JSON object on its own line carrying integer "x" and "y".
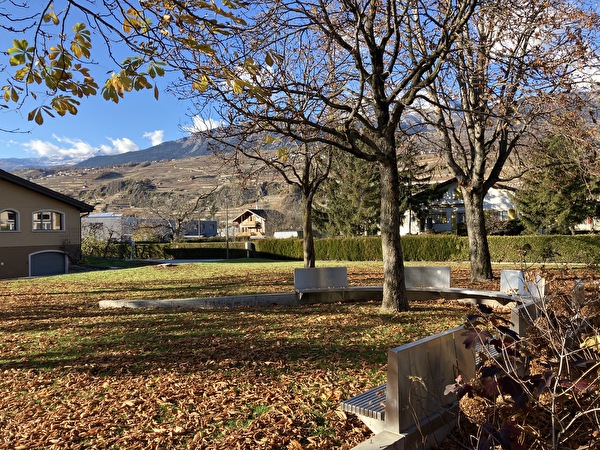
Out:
{"x": 74, "y": 376}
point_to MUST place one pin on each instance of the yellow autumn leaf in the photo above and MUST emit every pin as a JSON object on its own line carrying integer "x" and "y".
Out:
{"x": 269, "y": 60}
{"x": 592, "y": 343}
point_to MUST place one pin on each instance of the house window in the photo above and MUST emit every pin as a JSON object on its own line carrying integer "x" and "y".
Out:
{"x": 48, "y": 220}
{"x": 458, "y": 217}
{"x": 500, "y": 215}
{"x": 9, "y": 220}
{"x": 438, "y": 218}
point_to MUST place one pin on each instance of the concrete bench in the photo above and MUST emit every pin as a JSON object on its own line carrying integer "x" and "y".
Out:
{"x": 411, "y": 405}
{"x": 513, "y": 282}
{"x": 514, "y": 288}
{"x": 427, "y": 277}
{"x": 320, "y": 278}
{"x": 417, "y": 375}
{"x": 330, "y": 284}
{"x": 321, "y": 284}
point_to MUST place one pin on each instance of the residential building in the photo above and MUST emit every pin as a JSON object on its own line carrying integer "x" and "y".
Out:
{"x": 200, "y": 228}
{"x": 252, "y": 223}
{"x": 121, "y": 227}
{"x": 447, "y": 212}
{"x": 40, "y": 229}
{"x": 107, "y": 226}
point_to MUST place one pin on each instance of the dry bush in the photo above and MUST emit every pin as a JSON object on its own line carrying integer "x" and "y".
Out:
{"x": 541, "y": 391}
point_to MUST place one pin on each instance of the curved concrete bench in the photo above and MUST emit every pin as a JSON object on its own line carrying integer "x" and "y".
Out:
{"x": 330, "y": 284}
{"x": 411, "y": 410}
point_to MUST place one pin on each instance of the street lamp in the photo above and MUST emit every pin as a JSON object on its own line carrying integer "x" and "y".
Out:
{"x": 227, "y": 227}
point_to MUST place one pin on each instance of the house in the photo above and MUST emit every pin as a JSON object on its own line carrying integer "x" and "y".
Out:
{"x": 252, "y": 223}
{"x": 589, "y": 225}
{"x": 288, "y": 234}
{"x": 40, "y": 229}
{"x": 116, "y": 227}
{"x": 200, "y": 228}
{"x": 447, "y": 212}
{"x": 107, "y": 226}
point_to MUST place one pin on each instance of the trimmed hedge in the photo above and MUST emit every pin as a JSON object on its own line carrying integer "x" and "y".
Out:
{"x": 286, "y": 249}
{"x": 435, "y": 247}
{"x": 583, "y": 248}
{"x": 206, "y": 250}
{"x": 430, "y": 247}
{"x": 443, "y": 247}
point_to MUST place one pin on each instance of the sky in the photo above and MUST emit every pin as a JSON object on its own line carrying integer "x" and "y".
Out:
{"x": 101, "y": 127}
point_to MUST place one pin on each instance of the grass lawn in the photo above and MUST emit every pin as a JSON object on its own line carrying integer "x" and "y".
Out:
{"x": 76, "y": 376}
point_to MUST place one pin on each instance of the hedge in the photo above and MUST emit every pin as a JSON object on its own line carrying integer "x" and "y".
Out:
{"x": 583, "y": 248}
{"x": 539, "y": 248}
{"x": 443, "y": 247}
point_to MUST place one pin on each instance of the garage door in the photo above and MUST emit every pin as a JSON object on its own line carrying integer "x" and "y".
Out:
{"x": 47, "y": 263}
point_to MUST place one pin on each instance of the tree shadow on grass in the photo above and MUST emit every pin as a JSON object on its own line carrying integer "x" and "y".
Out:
{"x": 142, "y": 341}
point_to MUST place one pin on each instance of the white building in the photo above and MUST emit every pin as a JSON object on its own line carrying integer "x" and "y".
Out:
{"x": 107, "y": 226}
{"x": 447, "y": 212}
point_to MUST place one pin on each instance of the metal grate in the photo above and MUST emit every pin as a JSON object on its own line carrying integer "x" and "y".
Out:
{"x": 369, "y": 404}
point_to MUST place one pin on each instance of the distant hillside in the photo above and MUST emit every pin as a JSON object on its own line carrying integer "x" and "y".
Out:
{"x": 12, "y": 164}
{"x": 119, "y": 188}
{"x": 187, "y": 147}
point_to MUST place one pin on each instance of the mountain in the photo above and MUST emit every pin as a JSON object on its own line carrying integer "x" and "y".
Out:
{"x": 12, "y": 164}
{"x": 120, "y": 188}
{"x": 188, "y": 147}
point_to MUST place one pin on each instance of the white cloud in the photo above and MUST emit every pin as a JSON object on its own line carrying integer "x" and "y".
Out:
{"x": 119, "y": 146}
{"x": 200, "y": 124}
{"x": 73, "y": 150}
{"x": 588, "y": 77}
{"x": 156, "y": 137}
{"x": 43, "y": 148}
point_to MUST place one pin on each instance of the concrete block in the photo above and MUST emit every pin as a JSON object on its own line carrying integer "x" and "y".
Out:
{"x": 512, "y": 282}
{"x": 320, "y": 278}
{"x": 427, "y": 276}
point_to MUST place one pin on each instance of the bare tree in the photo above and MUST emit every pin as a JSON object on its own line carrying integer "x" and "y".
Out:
{"x": 516, "y": 65}
{"x": 302, "y": 165}
{"x": 338, "y": 72}
{"x": 341, "y": 74}
{"x": 171, "y": 212}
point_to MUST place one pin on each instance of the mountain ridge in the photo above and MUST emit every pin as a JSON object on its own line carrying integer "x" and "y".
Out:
{"x": 182, "y": 148}
{"x": 187, "y": 147}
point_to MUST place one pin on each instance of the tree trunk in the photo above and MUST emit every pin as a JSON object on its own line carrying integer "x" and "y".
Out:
{"x": 308, "y": 241}
{"x": 394, "y": 289}
{"x": 479, "y": 250}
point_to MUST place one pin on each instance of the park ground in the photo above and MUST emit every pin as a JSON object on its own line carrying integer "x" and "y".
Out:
{"x": 74, "y": 376}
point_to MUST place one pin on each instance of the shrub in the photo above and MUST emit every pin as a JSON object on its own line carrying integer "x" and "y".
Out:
{"x": 537, "y": 392}
{"x": 431, "y": 247}
{"x": 435, "y": 247}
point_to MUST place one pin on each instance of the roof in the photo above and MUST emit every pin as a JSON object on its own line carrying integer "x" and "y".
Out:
{"x": 262, "y": 213}
{"x": 81, "y": 206}
{"x": 105, "y": 215}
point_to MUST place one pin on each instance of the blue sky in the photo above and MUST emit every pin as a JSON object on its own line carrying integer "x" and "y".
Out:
{"x": 101, "y": 127}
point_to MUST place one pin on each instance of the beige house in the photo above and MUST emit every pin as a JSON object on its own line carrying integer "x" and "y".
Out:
{"x": 252, "y": 223}
{"x": 40, "y": 229}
